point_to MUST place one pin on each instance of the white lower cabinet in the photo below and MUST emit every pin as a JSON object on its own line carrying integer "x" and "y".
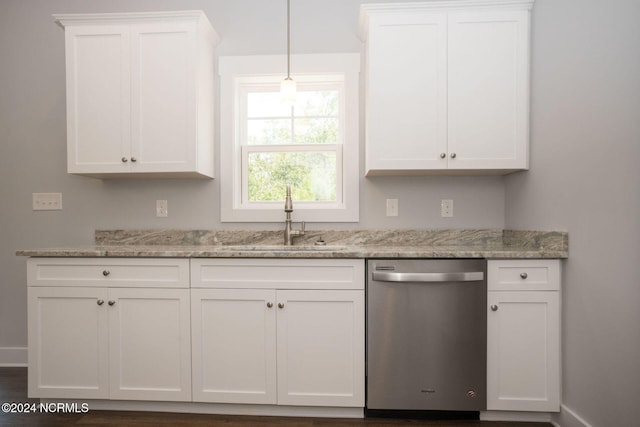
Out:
{"x": 523, "y": 335}
{"x": 298, "y": 342}
{"x": 320, "y": 347}
{"x": 234, "y": 347}
{"x": 68, "y": 343}
{"x": 97, "y": 342}
{"x": 149, "y": 345}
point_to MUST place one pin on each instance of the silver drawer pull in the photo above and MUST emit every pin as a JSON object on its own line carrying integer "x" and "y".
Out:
{"x": 111, "y": 302}
{"x": 494, "y": 308}
{"x": 100, "y": 302}
{"x": 523, "y": 276}
{"x": 471, "y": 276}
{"x": 105, "y": 273}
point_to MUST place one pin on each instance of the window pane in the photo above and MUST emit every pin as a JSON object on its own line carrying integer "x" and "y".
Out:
{"x": 317, "y": 103}
{"x": 268, "y": 132}
{"x": 266, "y": 104}
{"x": 312, "y": 176}
{"x": 316, "y": 131}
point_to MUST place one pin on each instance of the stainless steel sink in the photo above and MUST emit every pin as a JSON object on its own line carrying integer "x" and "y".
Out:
{"x": 281, "y": 248}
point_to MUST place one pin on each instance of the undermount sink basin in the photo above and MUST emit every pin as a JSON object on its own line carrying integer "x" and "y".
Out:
{"x": 275, "y": 248}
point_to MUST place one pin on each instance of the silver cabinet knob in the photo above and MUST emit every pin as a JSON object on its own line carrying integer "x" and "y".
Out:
{"x": 269, "y": 304}
{"x": 105, "y": 273}
{"x": 124, "y": 160}
{"x": 443, "y": 155}
{"x": 280, "y": 305}
{"x": 133, "y": 159}
{"x": 523, "y": 276}
{"x": 100, "y": 302}
{"x": 111, "y": 302}
{"x": 453, "y": 155}
{"x": 494, "y": 308}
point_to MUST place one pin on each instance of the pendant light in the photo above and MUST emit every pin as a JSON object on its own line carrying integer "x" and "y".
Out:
{"x": 288, "y": 85}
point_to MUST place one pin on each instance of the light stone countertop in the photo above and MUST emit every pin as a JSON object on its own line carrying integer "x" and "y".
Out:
{"x": 446, "y": 243}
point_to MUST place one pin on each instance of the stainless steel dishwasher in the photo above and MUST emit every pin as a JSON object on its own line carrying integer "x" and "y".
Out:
{"x": 426, "y": 335}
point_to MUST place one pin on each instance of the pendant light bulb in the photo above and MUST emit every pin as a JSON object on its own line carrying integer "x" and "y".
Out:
{"x": 288, "y": 91}
{"x": 288, "y": 85}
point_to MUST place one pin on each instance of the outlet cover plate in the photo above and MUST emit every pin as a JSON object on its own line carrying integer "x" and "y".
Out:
{"x": 446, "y": 208}
{"x": 162, "y": 208}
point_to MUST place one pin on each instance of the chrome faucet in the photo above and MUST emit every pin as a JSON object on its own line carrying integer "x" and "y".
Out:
{"x": 289, "y": 234}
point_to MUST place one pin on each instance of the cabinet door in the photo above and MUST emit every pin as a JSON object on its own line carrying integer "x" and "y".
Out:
{"x": 68, "y": 345}
{"x": 149, "y": 344}
{"x": 488, "y": 106}
{"x": 406, "y": 121}
{"x": 98, "y": 99}
{"x": 321, "y": 348}
{"x": 234, "y": 345}
{"x": 523, "y": 351}
{"x": 163, "y": 97}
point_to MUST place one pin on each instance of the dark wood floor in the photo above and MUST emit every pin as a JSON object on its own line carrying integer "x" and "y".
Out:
{"x": 13, "y": 388}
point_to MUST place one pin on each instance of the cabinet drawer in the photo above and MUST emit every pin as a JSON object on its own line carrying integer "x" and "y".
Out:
{"x": 109, "y": 272}
{"x": 525, "y": 275}
{"x": 277, "y": 273}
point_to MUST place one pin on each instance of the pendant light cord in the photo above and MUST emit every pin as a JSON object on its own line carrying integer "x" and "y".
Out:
{"x": 288, "y": 39}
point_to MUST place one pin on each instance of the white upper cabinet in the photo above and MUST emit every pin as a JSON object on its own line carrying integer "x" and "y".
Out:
{"x": 406, "y": 92}
{"x": 140, "y": 94}
{"x": 447, "y": 86}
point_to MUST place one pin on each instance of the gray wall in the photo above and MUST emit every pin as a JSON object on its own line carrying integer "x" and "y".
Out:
{"x": 585, "y": 95}
{"x": 33, "y": 140}
{"x": 585, "y": 178}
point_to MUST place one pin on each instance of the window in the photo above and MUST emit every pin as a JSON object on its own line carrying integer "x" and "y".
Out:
{"x": 313, "y": 144}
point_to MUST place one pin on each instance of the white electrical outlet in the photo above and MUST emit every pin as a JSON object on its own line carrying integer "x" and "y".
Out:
{"x": 446, "y": 208}
{"x": 47, "y": 201}
{"x": 162, "y": 208}
{"x": 392, "y": 207}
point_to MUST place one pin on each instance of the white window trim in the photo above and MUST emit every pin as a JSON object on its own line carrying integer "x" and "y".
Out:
{"x": 231, "y": 68}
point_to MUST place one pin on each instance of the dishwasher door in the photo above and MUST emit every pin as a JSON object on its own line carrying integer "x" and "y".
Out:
{"x": 426, "y": 335}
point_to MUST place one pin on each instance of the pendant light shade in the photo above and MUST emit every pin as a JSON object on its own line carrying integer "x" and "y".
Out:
{"x": 288, "y": 85}
{"x": 288, "y": 90}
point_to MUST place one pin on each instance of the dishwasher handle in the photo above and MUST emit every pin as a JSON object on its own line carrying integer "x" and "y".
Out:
{"x": 387, "y": 276}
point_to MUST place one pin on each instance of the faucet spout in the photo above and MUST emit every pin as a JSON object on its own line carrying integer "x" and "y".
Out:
{"x": 289, "y": 233}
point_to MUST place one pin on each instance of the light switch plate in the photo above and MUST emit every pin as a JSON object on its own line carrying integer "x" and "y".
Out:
{"x": 392, "y": 207}
{"x": 47, "y": 201}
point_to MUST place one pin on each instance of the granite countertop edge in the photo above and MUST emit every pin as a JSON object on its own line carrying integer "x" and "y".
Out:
{"x": 133, "y": 251}
{"x": 439, "y": 243}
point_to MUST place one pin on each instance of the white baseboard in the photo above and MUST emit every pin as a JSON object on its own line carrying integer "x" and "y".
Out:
{"x": 13, "y": 356}
{"x": 568, "y": 418}
{"x": 516, "y": 416}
